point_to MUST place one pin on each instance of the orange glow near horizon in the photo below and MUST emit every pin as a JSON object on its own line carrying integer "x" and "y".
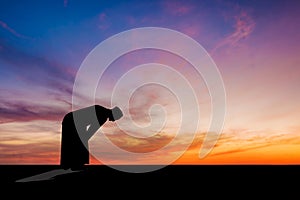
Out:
{"x": 283, "y": 149}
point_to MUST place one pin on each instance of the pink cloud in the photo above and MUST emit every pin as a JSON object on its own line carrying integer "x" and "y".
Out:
{"x": 190, "y": 30}
{"x": 11, "y": 30}
{"x": 25, "y": 111}
{"x": 66, "y": 3}
{"x": 177, "y": 8}
{"x": 243, "y": 27}
{"x": 104, "y": 22}
{"x": 102, "y": 16}
{"x": 131, "y": 20}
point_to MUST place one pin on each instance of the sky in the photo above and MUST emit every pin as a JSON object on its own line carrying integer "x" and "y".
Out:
{"x": 254, "y": 44}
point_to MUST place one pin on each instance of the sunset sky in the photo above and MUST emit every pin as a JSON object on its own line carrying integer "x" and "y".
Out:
{"x": 254, "y": 44}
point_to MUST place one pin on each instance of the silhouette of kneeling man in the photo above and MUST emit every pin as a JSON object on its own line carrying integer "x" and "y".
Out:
{"x": 77, "y": 128}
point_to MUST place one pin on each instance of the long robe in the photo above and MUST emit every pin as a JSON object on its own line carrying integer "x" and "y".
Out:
{"x": 77, "y": 128}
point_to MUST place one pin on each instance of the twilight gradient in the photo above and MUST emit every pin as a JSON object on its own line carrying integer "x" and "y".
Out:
{"x": 255, "y": 45}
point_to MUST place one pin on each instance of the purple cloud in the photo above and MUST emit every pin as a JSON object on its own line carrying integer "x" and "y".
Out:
{"x": 27, "y": 111}
{"x": 50, "y": 82}
{"x": 243, "y": 27}
{"x": 37, "y": 70}
{"x": 177, "y": 8}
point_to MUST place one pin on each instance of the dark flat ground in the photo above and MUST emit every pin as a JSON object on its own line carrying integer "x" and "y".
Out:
{"x": 191, "y": 177}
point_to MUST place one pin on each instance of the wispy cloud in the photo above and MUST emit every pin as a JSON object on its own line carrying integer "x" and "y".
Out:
{"x": 243, "y": 27}
{"x": 30, "y": 65}
{"x": 239, "y": 141}
{"x": 155, "y": 149}
{"x": 37, "y": 70}
{"x": 66, "y": 2}
{"x": 29, "y": 111}
{"x": 48, "y": 92}
{"x": 31, "y": 153}
{"x": 12, "y": 31}
{"x": 140, "y": 145}
{"x": 30, "y": 142}
{"x": 177, "y": 8}
{"x": 104, "y": 22}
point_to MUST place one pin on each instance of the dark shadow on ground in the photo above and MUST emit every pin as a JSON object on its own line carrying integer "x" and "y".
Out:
{"x": 172, "y": 178}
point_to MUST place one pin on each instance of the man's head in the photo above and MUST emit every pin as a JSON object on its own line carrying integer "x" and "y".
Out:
{"x": 116, "y": 114}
